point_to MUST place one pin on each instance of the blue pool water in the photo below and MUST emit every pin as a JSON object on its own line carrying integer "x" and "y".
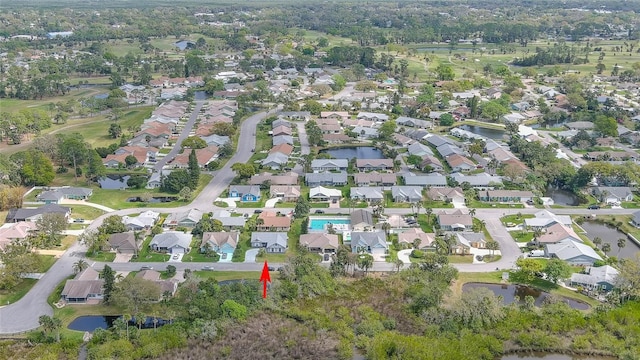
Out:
{"x": 320, "y": 224}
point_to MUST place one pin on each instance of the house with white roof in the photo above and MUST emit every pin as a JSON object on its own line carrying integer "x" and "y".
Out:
{"x": 544, "y": 218}
{"x": 319, "y": 165}
{"x": 173, "y": 242}
{"x": 602, "y": 278}
{"x": 372, "y": 242}
{"x": 573, "y": 252}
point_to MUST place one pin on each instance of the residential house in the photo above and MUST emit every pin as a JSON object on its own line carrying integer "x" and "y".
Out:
{"x": 411, "y": 122}
{"x": 272, "y": 221}
{"x": 216, "y": 140}
{"x": 431, "y": 163}
{"x": 507, "y": 196}
{"x": 33, "y": 214}
{"x": 290, "y": 178}
{"x": 635, "y": 219}
{"x": 438, "y": 140}
{"x": 412, "y": 236}
{"x": 330, "y": 128}
{"x": 285, "y": 149}
{"x": 288, "y": 193}
{"x": 55, "y": 196}
{"x": 246, "y": 193}
{"x": 466, "y": 241}
{"x": 361, "y": 220}
{"x": 447, "y": 194}
{"x": 365, "y": 132}
{"x": 320, "y": 243}
{"x": 375, "y": 179}
{"x": 460, "y": 163}
{"x": 374, "y": 164}
{"x": 11, "y": 232}
{"x": 145, "y": 220}
{"x": 403, "y": 140}
{"x": 338, "y": 115}
{"x": 296, "y": 115}
{"x": 282, "y": 139}
{"x": 204, "y": 157}
{"x": 478, "y": 181}
{"x": 419, "y": 149}
{"x": 602, "y": 278}
{"x": 557, "y": 233}
{"x": 281, "y": 130}
{"x": 223, "y": 243}
{"x": 326, "y": 179}
{"x": 372, "y": 116}
{"x": 573, "y": 252}
{"x": 417, "y": 134}
{"x": 337, "y": 138}
{"x": 513, "y": 118}
{"x": 275, "y": 161}
{"x": 544, "y": 219}
{"x": 406, "y": 193}
{"x": 319, "y": 165}
{"x": 613, "y": 194}
{"x": 229, "y": 223}
{"x": 430, "y": 180}
{"x": 155, "y": 180}
{"x": 455, "y": 220}
{"x": 272, "y": 242}
{"x": 169, "y": 286}
{"x": 85, "y": 287}
{"x": 280, "y": 122}
{"x": 367, "y": 193}
{"x": 449, "y": 149}
{"x": 173, "y": 242}
{"x": 187, "y": 218}
{"x": 320, "y": 193}
{"x": 372, "y": 242}
{"x": 124, "y": 243}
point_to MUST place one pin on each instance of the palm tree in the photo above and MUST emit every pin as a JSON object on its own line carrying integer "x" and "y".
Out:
{"x": 416, "y": 243}
{"x": 606, "y": 247}
{"x": 80, "y": 265}
{"x": 428, "y": 211}
{"x": 622, "y": 242}
{"x": 493, "y": 246}
{"x": 365, "y": 261}
{"x": 398, "y": 263}
{"x": 597, "y": 241}
{"x": 537, "y": 232}
{"x": 472, "y": 212}
{"x": 140, "y": 319}
{"x": 127, "y": 318}
{"x": 386, "y": 227}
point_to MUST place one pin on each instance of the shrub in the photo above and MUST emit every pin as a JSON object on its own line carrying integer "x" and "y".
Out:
{"x": 417, "y": 254}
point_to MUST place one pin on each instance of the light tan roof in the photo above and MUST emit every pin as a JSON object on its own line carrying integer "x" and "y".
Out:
{"x": 320, "y": 240}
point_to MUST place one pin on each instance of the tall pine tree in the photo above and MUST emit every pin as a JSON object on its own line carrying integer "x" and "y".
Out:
{"x": 109, "y": 277}
{"x": 194, "y": 170}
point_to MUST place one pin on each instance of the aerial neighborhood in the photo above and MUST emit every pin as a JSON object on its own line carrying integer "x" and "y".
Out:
{"x": 154, "y": 172}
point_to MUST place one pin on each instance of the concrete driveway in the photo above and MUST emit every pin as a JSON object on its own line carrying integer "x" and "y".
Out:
{"x": 404, "y": 256}
{"x": 271, "y": 203}
{"x": 122, "y": 258}
{"x": 250, "y": 255}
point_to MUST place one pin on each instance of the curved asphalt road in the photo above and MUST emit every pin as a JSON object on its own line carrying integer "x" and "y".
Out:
{"x": 23, "y": 315}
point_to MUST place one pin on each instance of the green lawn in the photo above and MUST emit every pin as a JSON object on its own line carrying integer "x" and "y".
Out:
{"x": 431, "y": 204}
{"x": 46, "y": 262}
{"x": 229, "y": 275}
{"x": 516, "y": 219}
{"x": 425, "y": 225}
{"x": 10, "y": 296}
{"x": 519, "y": 236}
{"x": 476, "y": 204}
{"x": 103, "y": 256}
{"x": 313, "y": 205}
{"x": 460, "y": 259}
{"x": 85, "y": 212}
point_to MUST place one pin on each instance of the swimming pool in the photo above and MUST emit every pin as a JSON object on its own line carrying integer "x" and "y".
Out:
{"x": 320, "y": 224}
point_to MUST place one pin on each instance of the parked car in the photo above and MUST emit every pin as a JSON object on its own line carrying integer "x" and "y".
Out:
{"x": 176, "y": 256}
{"x": 594, "y": 207}
{"x": 319, "y": 211}
{"x": 271, "y": 268}
{"x": 207, "y": 268}
{"x": 78, "y": 220}
{"x": 146, "y": 268}
{"x": 257, "y": 211}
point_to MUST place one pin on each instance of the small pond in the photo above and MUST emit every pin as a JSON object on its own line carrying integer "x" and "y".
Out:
{"x": 155, "y": 199}
{"x": 610, "y": 235}
{"x": 101, "y": 96}
{"x": 494, "y": 134}
{"x": 550, "y": 356}
{"x": 562, "y": 197}
{"x": 358, "y": 152}
{"x": 92, "y": 322}
{"x": 114, "y": 182}
{"x": 184, "y": 44}
{"x": 509, "y": 293}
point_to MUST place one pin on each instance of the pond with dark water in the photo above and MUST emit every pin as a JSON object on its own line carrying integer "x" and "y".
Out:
{"x": 92, "y": 322}
{"x": 184, "y": 44}
{"x": 489, "y": 133}
{"x": 509, "y": 293}
{"x": 562, "y": 197}
{"x": 358, "y": 152}
{"x": 114, "y": 182}
{"x": 610, "y": 235}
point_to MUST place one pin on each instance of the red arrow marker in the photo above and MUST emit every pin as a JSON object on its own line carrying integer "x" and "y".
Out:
{"x": 265, "y": 277}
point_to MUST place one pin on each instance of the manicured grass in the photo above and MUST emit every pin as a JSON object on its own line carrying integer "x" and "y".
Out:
{"x": 221, "y": 204}
{"x": 117, "y": 199}
{"x": 425, "y": 225}
{"x": 519, "y": 236}
{"x": 84, "y": 212}
{"x": 146, "y": 255}
{"x": 483, "y": 205}
{"x": 436, "y": 205}
{"x": 196, "y": 256}
{"x": 314, "y": 205}
{"x": 103, "y": 256}
{"x": 46, "y": 262}
{"x": 67, "y": 241}
{"x": 10, "y": 296}
{"x": 460, "y": 259}
{"x": 516, "y": 219}
{"x": 3, "y": 216}
{"x": 274, "y": 258}
{"x": 230, "y": 275}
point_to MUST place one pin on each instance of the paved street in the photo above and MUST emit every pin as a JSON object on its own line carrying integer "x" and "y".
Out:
{"x": 183, "y": 135}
